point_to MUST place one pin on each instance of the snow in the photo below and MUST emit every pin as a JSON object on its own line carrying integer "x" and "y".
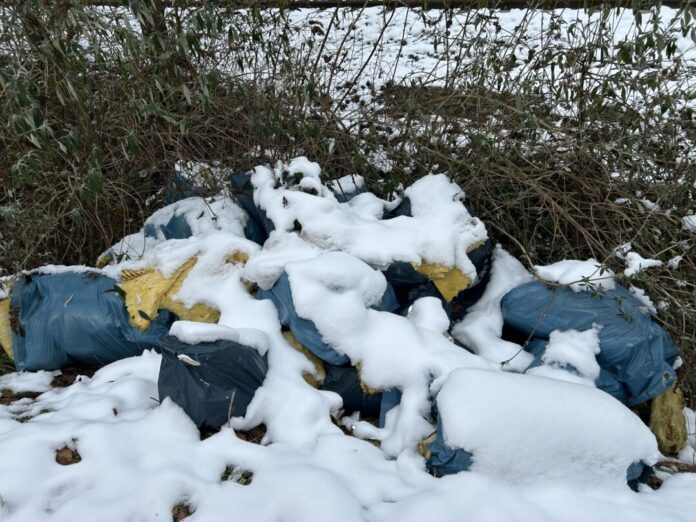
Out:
{"x": 644, "y": 298}
{"x": 137, "y": 463}
{"x": 348, "y": 184}
{"x": 441, "y": 230}
{"x": 688, "y": 454}
{"x": 571, "y": 356}
{"x": 27, "y": 381}
{"x": 580, "y": 276}
{"x": 202, "y": 215}
{"x": 635, "y": 264}
{"x": 335, "y": 291}
{"x": 482, "y": 327}
{"x": 527, "y": 429}
{"x": 191, "y": 332}
{"x": 673, "y": 263}
{"x": 689, "y": 223}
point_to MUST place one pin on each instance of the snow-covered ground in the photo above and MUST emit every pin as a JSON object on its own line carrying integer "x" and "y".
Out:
{"x": 139, "y": 458}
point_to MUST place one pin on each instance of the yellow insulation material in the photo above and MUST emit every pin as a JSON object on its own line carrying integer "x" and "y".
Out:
{"x": 238, "y": 257}
{"x": 448, "y": 280}
{"x": 667, "y": 421}
{"x": 319, "y": 376}
{"x": 424, "y": 445}
{"x": 147, "y": 291}
{"x": 5, "y": 329}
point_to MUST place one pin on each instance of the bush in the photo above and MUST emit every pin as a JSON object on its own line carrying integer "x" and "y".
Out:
{"x": 567, "y": 139}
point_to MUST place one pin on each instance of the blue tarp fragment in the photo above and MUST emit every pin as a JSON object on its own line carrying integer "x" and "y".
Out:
{"x": 176, "y": 228}
{"x": 444, "y": 460}
{"x": 391, "y": 397}
{"x": 635, "y": 352}
{"x": 75, "y": 318}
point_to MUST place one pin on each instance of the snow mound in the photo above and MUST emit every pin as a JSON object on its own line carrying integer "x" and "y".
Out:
{"x": 440, "y": 229}
{"x": 579, "y": 275}
{"x": 527, "y": 428}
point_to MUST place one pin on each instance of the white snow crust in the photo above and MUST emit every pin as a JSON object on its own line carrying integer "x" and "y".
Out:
{"x": 579, "y": 275}
{"x": 527, "y": 428}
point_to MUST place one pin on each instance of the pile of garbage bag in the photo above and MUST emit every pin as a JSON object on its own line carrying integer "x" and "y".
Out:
{"x": 55, "y": 317}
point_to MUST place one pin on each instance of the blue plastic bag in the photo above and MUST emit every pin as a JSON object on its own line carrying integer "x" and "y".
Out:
{"x": 258, "y": 226}
{"x": 636, "y": 355}
{"x": 75, "y": 318}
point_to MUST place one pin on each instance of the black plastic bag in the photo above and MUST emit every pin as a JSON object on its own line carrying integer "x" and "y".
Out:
{"x": 211, "y": 381}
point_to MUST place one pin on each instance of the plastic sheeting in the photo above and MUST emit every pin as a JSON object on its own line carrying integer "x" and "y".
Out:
{"x": 258, "y": 226}
{"x": 211, "y": 381}
{"x": 304, "y": 330}
{"x": 345, "y": 381}
{"x": 442, "y": 459}
{"x": 176, "y": 228}
{"x": 75, "y": 318}
{"x": 636, "y": 355}
{"x": 410, "y": 284}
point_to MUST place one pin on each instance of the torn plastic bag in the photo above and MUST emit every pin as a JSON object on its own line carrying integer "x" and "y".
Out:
{"x": 448, "y": 285}
{"x": 75, "y": 318}
{"x": 634, "y": 350}
{"x": 203, "y": 378}
{"x": 304, "y": 330}
{"x": 258, "y": 226}
{"x": 345, "y": 381}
